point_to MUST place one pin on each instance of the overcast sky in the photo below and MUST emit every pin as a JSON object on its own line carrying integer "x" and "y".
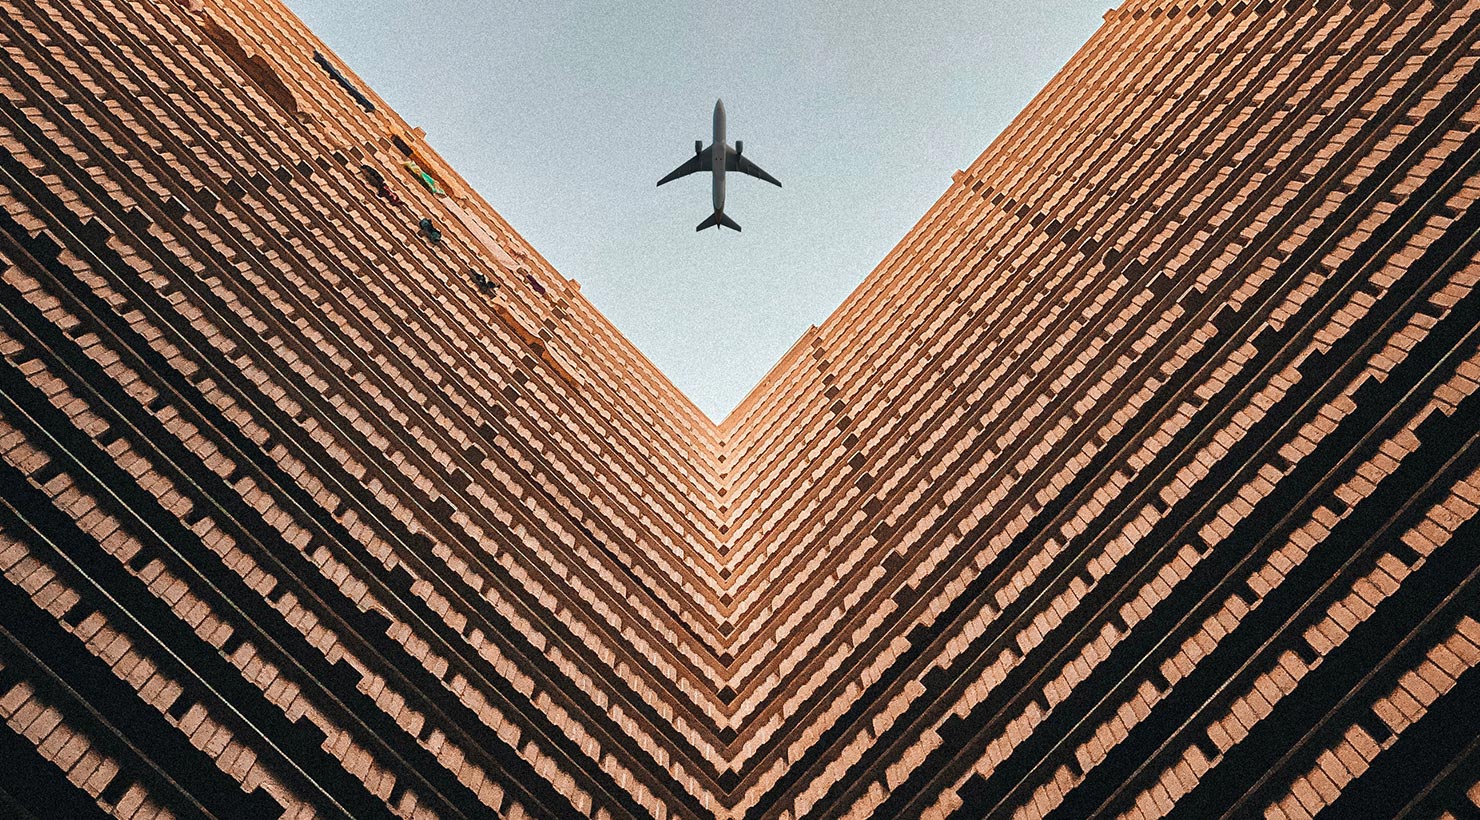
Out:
{"x": 564, "y": 114}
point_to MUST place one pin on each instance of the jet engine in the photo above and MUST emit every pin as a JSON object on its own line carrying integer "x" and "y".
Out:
{"x": 739, "y": 147}
{"x": 698, "y": 146}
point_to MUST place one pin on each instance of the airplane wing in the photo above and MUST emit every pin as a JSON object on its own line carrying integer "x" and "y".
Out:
{"x": 698, "y": 162}
{"x": 738, "y": 162}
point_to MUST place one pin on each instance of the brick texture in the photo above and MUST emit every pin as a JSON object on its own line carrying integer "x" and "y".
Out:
{"x": 1139, "y": 479}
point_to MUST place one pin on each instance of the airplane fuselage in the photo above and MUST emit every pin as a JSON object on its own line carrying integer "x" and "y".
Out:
{"x": 718, "y": 156}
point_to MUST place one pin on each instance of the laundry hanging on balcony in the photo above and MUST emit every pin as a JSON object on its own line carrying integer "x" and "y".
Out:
{"x": 424, "y": 178}
{"x": 337, "y": 76}
{"x": 483, "y": 282}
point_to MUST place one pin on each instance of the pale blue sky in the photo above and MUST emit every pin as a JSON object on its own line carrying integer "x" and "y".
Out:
{"x": 564, "y": 114}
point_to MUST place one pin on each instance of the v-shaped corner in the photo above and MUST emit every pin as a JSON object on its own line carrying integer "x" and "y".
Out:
{"x": 1140, "y": 478}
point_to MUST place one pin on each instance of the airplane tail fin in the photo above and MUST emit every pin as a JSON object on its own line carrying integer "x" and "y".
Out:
{"x": 717, "y": 219}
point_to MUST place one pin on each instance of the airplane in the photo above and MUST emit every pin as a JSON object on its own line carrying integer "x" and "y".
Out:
{"x": 718, "y": 158}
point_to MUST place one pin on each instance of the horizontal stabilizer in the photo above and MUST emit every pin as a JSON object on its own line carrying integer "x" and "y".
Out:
{"x": 717, "y": 219}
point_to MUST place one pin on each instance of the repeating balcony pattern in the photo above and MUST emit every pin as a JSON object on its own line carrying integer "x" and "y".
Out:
{"x": 1141, "y": 478}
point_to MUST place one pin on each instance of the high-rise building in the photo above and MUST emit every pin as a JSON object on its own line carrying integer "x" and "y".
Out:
{"x": 1140, "y": 478}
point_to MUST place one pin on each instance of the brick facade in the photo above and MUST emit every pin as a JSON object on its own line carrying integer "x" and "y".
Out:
{"x": 1140, "y": 478}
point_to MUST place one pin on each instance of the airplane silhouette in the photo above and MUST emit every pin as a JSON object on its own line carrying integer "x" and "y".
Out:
{"x": 718, "y": 158}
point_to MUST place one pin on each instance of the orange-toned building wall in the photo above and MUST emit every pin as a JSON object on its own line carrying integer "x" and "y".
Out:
{"x": 1140, "y": 478}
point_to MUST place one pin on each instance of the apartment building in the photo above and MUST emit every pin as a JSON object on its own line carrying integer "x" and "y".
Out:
{"x": 1139, "y": 479}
